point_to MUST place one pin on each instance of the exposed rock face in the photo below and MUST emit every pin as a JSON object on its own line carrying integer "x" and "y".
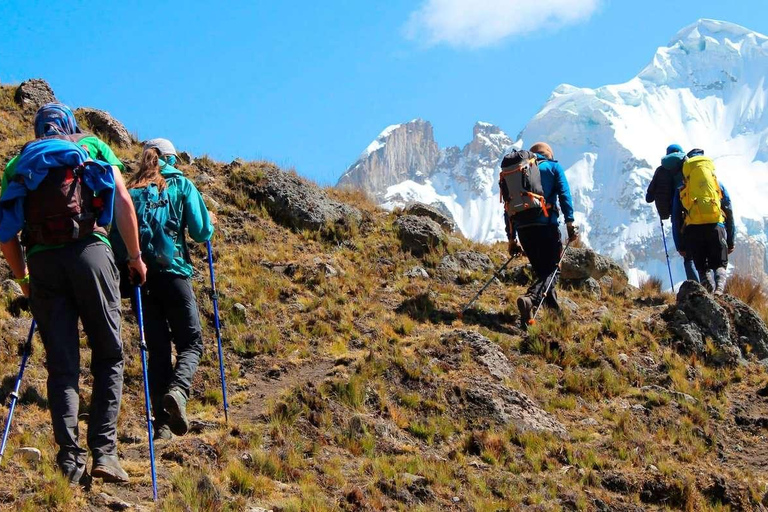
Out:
{"x": 453, "y": 266}
{"x": 34, "y": 93}
{"x": 419, "y": 235}
{"x": 294, "y": 201}
{"x": 488, "y": 400}
{"x": 401, "y": 152}
{"x": 733, "y": 327}
{"x": 583, "y": 263}
{"x": 105, "y": 126}
{"x": 424, "y": 210}
{"x": 484, "y": 351}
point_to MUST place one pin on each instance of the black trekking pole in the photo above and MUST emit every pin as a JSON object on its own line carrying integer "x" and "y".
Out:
{"x": 215, "y": 300}
{"x": 26, "y": 351}
{"x": 143, "y": 347}
{"x": 666, "y": 251}
{"x": 532, "y": 321}
{"x": 477, "y": 295}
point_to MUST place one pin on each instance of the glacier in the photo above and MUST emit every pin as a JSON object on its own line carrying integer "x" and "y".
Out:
{"x": 705, "y": 89}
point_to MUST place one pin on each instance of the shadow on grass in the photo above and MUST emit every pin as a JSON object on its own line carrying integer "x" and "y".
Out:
{"x": 422, "y": 308}
{"x": 29, "y": 394}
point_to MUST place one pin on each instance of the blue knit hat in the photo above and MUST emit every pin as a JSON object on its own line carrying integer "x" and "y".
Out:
{"x": 55, "y": 119}
{"x": 674, "y": 148}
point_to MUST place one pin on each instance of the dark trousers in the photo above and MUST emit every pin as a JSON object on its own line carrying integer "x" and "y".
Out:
{"x": 543, "y": 246}
{"x": 80, "y": 280}
{"x": 707, "y": 245}
{"x": 170, "y": 316}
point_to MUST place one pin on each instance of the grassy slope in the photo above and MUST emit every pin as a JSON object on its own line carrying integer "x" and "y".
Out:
{"x": 337, "y": 399}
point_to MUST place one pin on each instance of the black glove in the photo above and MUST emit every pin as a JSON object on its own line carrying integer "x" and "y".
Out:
{"x": 573, "y": 232}
{"x": 514, "y": 248}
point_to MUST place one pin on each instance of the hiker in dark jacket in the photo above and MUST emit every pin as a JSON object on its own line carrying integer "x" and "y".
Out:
{"x": 662, "y": 190}
{"x": 72, "y": 276}
{"x": 539, "y": 238}
{"x": 708, "y": 245}
{"x": 169, "y": 305}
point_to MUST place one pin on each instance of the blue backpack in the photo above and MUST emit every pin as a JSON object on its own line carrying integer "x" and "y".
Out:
{"x": 159, "y": 227}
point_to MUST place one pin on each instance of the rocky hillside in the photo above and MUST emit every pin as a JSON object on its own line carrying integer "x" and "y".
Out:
{"x": 356, "y": 385}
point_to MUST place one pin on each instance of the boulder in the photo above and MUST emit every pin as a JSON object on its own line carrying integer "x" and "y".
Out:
{"x": 582, "y": 263}
{"x": 490, "y": 400}
{"x": 748, "y": 325}
{"x": 293, "y": 201}
{"x": 590, "y": 286}
{"x": 33, "y": 94}
{"x": 733, "y": 327}
{"x": 419, "y": 235}
{"x": 417, "y": 272}
{"x": 12, "y": 288}
{"x": 521, "y": 275}
{"x": 483, "y": 350}
{"x": 105, "y": 126}
{"x": 463, "y": 262}
{"x": 425, "y": 210}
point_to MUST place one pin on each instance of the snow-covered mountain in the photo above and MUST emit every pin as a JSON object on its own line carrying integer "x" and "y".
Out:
{"x": 706, "y": 89}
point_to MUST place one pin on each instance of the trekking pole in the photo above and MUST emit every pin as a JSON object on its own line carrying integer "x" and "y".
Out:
{"x": 215, "y": 299}
{"x": 477, "y": 295}
{"x": 143, "y": 347}
{"x": 26, "y": 351}
{"x": 666, "y": 251}
{"x": 532, "y": 321}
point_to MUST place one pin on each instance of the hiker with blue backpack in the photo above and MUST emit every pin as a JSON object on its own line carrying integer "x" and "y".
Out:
{"x": 168, "y": 206}
{"x": 703, "y": 222}
{"x": 662, "y": 190}
{"x": 532, "y": 183}
{"x": 60, "y": 193}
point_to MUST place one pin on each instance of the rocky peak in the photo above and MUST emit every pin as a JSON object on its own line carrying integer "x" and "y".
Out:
{"x": 401, "y": 152}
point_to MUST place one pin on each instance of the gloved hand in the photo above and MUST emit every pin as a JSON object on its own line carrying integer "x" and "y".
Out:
{"x": 573, "y": 232}
{"x": 514, "y": 248}
{"x": 730, "y": 250}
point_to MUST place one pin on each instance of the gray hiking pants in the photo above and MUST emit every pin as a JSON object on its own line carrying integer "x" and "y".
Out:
{"x": 80, "y": 280}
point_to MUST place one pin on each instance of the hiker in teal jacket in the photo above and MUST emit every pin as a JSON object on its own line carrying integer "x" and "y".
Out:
{"x": 169, "y": 305}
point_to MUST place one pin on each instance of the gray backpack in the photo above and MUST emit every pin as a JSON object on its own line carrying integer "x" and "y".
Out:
{"x": 520, "y": 186}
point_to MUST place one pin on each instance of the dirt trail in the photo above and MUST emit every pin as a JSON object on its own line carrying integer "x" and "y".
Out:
{"x": 268, "y": 382}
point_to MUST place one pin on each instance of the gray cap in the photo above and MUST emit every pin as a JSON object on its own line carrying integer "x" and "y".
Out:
{"x": 164, "y": 146}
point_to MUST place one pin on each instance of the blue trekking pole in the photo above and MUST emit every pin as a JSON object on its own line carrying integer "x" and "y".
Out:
{"x": 215, "y": 299}
{"x": 666, "y": 251}
{"x": 143, "y": 347}
{"x": 26, "y": 351}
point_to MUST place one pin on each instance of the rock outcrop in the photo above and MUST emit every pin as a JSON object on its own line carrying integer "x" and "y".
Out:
{"x": 105, "y": 126}
{"x": 732, "y": 326}
{"x": 293, "y": 201}
{"x": 462, "y": 264}
{"x": 33, "y": 94}
{"x": 419, "y": 235}
{"x": 425, "y": 210}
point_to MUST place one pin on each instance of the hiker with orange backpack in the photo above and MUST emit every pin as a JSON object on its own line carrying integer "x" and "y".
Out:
{"x": 61, "y": 192}
{"x": 702, "y": 221}
{"x": 531, "y": 184}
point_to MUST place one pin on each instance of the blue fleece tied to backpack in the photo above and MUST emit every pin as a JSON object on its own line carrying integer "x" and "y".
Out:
{"x": 32, "y": 166}
{"x": 55, "y": 119}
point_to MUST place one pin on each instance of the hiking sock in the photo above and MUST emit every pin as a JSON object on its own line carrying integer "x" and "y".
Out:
{"x": 720, "y": 278}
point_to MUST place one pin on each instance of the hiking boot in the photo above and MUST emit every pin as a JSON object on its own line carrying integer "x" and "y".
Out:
{"x": 721, "y": 275}
{"x": 163, "y": 433}
{"x": 175, "y": 404}
{"x": 75, "y": 473}
{"x": 108, "y": 468}
{"x": 525, "y": 306}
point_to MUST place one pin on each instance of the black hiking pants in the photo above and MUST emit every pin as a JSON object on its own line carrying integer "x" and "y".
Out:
{"x": 708, "y": 246}
{"x": 79, "y": 281}
{"x": 170, "y": 316}
{"x": 543, "y": 246}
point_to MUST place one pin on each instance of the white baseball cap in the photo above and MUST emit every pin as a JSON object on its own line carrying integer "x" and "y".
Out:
{"x": 164, "y": 146}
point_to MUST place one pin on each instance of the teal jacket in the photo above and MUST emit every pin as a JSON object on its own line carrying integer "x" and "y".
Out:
{"x": 188, "y": 205}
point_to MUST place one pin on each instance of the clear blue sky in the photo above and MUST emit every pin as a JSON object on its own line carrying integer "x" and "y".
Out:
{"x": 309, "y": 84}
